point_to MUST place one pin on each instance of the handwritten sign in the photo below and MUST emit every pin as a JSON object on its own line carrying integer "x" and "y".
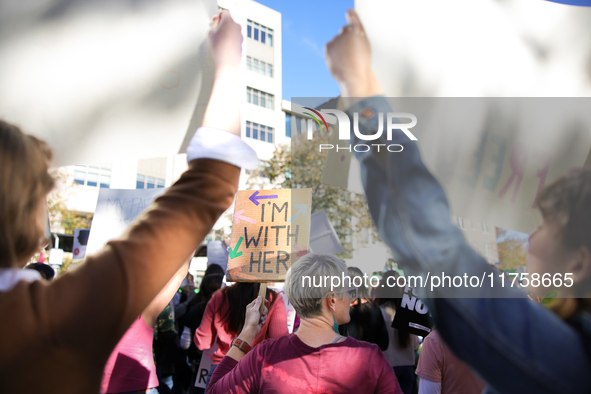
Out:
{"x": 115, "y": 210}
{"x": 271, "y": 230}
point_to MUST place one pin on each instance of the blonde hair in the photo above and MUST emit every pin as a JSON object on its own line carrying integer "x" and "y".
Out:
{"x": 306, "y": 299}
{"x": 24, "y": 184}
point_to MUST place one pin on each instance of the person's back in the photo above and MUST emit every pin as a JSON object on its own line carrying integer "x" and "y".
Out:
{"x": 438, "y": 365}
{"x": 291, "y": 366}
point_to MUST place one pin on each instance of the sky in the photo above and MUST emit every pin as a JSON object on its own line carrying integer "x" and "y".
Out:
{"x": 307, "y": 27}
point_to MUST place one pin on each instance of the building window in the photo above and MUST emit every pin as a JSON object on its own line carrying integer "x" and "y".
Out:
{"x": 487, "y": 251}
{"x": 461, "y": 223}
{"x": 288, "y": 126}
{"x": 259, "y": 132}
{"x": 259, "y": 66}
{"x": 485, "y": 228}
{"x": 148, "y": 182}
{"x": 259, "y": 98}
{"x": 92, "y": 176}
{"x": 259, "y": 33}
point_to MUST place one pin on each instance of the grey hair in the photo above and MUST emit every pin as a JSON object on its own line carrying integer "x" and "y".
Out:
{"x": 306, "y": 300}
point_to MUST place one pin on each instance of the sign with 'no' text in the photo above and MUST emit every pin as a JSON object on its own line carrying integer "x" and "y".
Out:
{"x": 271, "y": 230}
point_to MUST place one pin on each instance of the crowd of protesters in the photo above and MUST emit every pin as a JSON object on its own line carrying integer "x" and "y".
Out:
{"x": 117, "y": 323}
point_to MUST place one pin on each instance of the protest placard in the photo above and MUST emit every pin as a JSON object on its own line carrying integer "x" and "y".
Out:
{"x": 115, "y": 210}
{"x": 136, "y": 89}
{"x": 412, "y": 314}
{"x": 323, "y": 237}
{"x": 271, "y": 230}
{"x": 80, "y": 242}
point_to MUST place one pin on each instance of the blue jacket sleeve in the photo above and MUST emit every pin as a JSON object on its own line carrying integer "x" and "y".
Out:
{"x": 514, "y": 344}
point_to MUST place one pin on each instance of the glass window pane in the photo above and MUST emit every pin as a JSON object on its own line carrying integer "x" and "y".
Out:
{"x": 93, "y": 168}
{"x": 288, "y": 126}
{"x": 255, "y": 97}
{"x": 270, "y": 101}
{"x": 249, "y": 95}
{"x": 249, "y": 29}
{"x": 256, "y": 31}
{"x": 263, "y": 101}
{"x": 150, "y": 185}
{"x": 270, "y": 38}
{"x": 79, "y": 177}
{"x": 298, "y": 122}
{"x": 248, "y": 63}
{"x": 105, "y": 181}
{"x": 263, "y": 36}
{"x": 151, "y": 179}
{"x": 160, "y": 181}
{"x": 255, "y": 65}
{"x": 270, "y": 70}
{"x": 141, "y": 177}
{"x": 248, "y": 129}
{"x": 139, "y": 184}
{"x": 255, "y": 131}
{"x": 105, "y": 171}
{"x": 263, "y": 68}
{"x": 263, "y": 133}
{"x": 270, "y": 136}
{"x": 92, "y": 179}
{"x": 81, "y": 168}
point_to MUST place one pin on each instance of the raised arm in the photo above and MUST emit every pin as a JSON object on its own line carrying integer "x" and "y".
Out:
{"x": 410, "y": 209}
{"x": 111, "y": 288}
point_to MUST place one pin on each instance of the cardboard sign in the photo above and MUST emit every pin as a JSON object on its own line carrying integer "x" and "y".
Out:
{"x": 271, "y": 230}
{"x": 127, "y": 91}
{"x": 412, "y": 314}
{"x": 115, "y": 210}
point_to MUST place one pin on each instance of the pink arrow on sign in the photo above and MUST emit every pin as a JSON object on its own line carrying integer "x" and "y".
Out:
{"x": 299, "y": 251}
{"x": 238, "y": 217}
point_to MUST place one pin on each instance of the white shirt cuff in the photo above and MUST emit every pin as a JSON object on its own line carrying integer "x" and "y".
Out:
{"x": 211, "y": 143}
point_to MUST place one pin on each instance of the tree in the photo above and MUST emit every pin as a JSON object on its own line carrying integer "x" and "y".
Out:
{"x": 60, "y": 217}
{"x": 511, "y": 250}
{"x": 300, "y": 166}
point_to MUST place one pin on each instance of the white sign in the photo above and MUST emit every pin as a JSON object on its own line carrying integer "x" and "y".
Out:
{"x": 323, "y": 237}
{"x": 56, "y": 257}
{"x": 205, "y": 365}
{"x": 291, "y": 313}
{"x": 217, "y": 253}
{"x": 109, "y": 79}
{"x": 115, "y": 210}
{"x": 80, "y": 242}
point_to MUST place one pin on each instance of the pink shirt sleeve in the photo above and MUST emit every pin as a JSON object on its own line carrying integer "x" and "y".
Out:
{"x": 232, "y": 376}
{"x": 206, "y": 332}
{"x": 430, "y": 361}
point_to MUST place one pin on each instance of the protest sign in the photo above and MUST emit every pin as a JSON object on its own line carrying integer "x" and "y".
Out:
{"x": 136, "y": 89}
{"x": 217, "y": 253}
{"x": 115, "y": 210}
{"x": 204, "y": 366}
{"x": 271, "y": 230}
{"x": 412, "y": 314}
{"x": 492, "y": 155}
{"x": 323, "y": 237}
{"x": 80, "y": 242}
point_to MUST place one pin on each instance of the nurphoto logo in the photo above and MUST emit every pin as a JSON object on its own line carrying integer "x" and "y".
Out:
{"x": 392, "y": 126}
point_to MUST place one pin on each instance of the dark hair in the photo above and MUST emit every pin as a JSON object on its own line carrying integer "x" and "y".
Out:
{"x": 214, "y": 269}
{"x": 391, "y": 296}
{"x": 237, "y": 297}
{"x": 25, "y": 183}
{"x": 362, "y": 291}
{"x": 567, "y": 202}
{"x": 45, "y": 270}
{"x": 209, "y": 285}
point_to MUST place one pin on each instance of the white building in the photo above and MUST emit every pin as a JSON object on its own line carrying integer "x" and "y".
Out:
{"x": 263, "y": 121}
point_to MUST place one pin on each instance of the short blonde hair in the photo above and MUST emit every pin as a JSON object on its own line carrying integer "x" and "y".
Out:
{"x": 306, "y": 299}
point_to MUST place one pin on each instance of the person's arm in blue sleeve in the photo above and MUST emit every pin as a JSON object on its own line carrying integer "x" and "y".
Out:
{"x": 515, "y": 345}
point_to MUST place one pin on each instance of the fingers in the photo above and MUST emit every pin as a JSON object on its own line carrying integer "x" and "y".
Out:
{"x": 353, "y": 19}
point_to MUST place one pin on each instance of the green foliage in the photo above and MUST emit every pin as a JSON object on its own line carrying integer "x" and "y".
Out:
{"x": 300, "y": 166}
{"x": 511, "y": 251}
{"x": 60, "y": 218}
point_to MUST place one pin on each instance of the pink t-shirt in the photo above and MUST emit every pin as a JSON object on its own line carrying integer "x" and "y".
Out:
{"x": 131, "y": 365}
{"x": 438, "y": 364}
{"x": 287, "y": 365}
{"x": 212, "y": 325}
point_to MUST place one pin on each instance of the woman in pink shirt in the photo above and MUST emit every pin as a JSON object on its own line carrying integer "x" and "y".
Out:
{"x": 316, "y": 359}
{"x": 224, "y": 317}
